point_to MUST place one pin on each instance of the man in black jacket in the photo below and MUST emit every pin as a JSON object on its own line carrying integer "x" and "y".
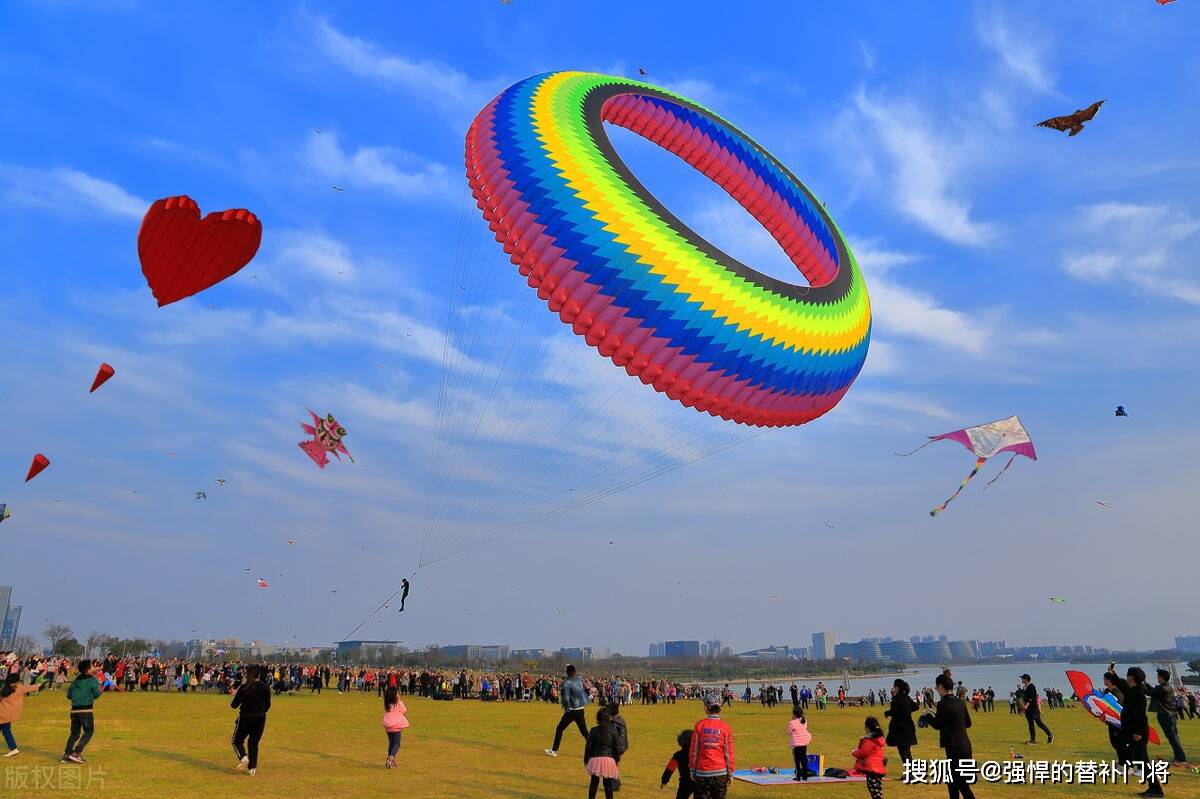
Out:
{"x": 1162, "y": 702}
{"x": 252, "y": 701}
{"x": 952, "y": 721}
{"x": 1135, "y": 726}
{"x": 1033, "y": 714}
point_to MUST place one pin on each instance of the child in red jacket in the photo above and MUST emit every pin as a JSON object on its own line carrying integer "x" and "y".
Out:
{"x": 868, "y": 757}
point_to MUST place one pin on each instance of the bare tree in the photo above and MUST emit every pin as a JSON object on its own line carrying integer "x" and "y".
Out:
{"x": 55, "y": 633}
{"x": 26, "y": 645}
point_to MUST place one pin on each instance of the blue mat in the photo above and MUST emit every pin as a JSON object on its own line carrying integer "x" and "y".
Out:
{"x": 784, "y": 777}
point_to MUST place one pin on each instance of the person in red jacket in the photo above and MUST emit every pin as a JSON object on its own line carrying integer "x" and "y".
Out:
{"x": 868, "y": 757}
{"x": 710, "y": 759}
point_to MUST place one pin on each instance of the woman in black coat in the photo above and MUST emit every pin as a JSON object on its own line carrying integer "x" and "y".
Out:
{"x": 902, "y": 732}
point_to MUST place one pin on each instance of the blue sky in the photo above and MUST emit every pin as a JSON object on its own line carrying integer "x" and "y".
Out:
{"x": 1011, "y": 270}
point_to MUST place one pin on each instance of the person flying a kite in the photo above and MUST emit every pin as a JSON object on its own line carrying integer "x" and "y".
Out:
{"x": 985, "y": 440}
{"x": 326, "y": 438}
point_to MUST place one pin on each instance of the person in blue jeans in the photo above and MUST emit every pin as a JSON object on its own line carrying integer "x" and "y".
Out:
{"x": 1162, "y": 702}
{"x": 83, "y": 692}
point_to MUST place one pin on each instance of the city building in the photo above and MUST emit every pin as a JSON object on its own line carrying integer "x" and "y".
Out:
{"x": 823, "y": 645}
{"x": 464, "y": 653}
{"x": 898, "y": 651}
{"x": 710, "y": 648}
{"x": 529, "y": 654}
{"x": 8, "y": 631}
{"x": 681, "y": 649}
{"x": 768, "y": 653}
{"x": 5, "y": 598}
{"x": 494, "y": 652}
{"x": 361, "y": 648}
{"x": 656, "y": 650}
{"x": 1183, "y": 643}
{"x": 962, "y": 650}
{"x": 863, "y": 650}
{"x": 576, "y": 653}
{"x": 935, "y": 652}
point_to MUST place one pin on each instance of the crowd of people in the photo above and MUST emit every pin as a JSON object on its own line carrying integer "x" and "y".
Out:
{"x": 704, "y": 761}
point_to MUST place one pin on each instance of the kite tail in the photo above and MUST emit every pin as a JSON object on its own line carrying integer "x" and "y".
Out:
{"x": 915, "y": 451}
{"x": 1002, "y": 471}
{"x": 978, "y": 465}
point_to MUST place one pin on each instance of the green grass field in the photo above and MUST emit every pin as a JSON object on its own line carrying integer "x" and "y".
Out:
{"x": 166, "y": 745}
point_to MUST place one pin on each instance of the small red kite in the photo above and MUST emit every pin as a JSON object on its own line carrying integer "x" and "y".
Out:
{"x": 102, "y": 376}
{"x": 40, "y": 462}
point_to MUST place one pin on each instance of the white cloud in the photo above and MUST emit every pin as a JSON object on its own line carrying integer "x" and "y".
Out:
{"x": 924, "y": 170}
{"x": 436, "y": 81}
{"x": 64, "y": 189}
{"x": 696, "y": 89}
{"x": 314, "y": 254}
{"x": 399, "y": 173}
{"x": 1139, "y": 245}
{"x": 1022, "y": 52}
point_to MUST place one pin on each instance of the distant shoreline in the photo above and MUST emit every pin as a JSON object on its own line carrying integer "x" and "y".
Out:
{"x": 807, "y": 678}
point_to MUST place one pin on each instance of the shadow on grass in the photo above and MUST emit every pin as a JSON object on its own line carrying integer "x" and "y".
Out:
{"x": 175, "y": 757}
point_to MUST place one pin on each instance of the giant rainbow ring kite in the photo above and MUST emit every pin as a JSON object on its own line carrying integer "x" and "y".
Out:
{"x": 639, "y": 285}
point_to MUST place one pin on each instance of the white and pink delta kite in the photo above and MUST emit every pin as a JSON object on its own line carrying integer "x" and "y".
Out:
{"x": 986, "y": 440}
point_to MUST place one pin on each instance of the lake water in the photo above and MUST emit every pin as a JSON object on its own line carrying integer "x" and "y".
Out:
{"x": 1002, "y": 678}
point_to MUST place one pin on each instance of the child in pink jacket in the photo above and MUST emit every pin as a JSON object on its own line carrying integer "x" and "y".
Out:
{"x": 799, "y": 737}
{"x": 394, "y": 721}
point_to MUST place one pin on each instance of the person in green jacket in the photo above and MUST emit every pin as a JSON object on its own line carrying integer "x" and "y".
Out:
{"x": 83, "y": 691}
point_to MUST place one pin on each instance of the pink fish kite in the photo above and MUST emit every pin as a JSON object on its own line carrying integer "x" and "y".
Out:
{"x": 986, "y": 441}
{"x": 326, "y": 438}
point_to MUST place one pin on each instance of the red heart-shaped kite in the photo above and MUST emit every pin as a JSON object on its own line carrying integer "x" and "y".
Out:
{"x": 182, "y": 255}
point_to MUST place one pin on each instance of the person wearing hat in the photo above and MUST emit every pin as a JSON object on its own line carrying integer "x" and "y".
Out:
{"x": 1033, "y": 714}
{"x": 710, "y": 758}
{"x": 1162, "y": 702}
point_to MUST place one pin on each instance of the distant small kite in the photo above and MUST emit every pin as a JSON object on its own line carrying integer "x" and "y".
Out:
{"x": 1164, "y": 2}
{"x": 291, "y": 541}
{"x": 1058, "y": 600}
{"x": 263, "y": 583}
{"x": 1104, "y": 504}
{"x": 1072, "y": 122}
{"x": 102, "y": 375}
{"x": 641, "y": 72}
{"x": 1120, "y": 411}
{"x": 40, "y": 462}
{"x": 220, "y": 482}
{"x": 986, "y": 441}
{"x": 4, "y": 514}
{"x": 201, "y": 495}
{"x": 776, "y": 599}
{"x": 337, "y": 188}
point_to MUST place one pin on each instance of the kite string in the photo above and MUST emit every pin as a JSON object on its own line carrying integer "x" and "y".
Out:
{"x": 978, "y": 465}
{"x": 382, "y": 605}
{"x": 915, "y": 451}
{"x": 1002, "y": 471}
